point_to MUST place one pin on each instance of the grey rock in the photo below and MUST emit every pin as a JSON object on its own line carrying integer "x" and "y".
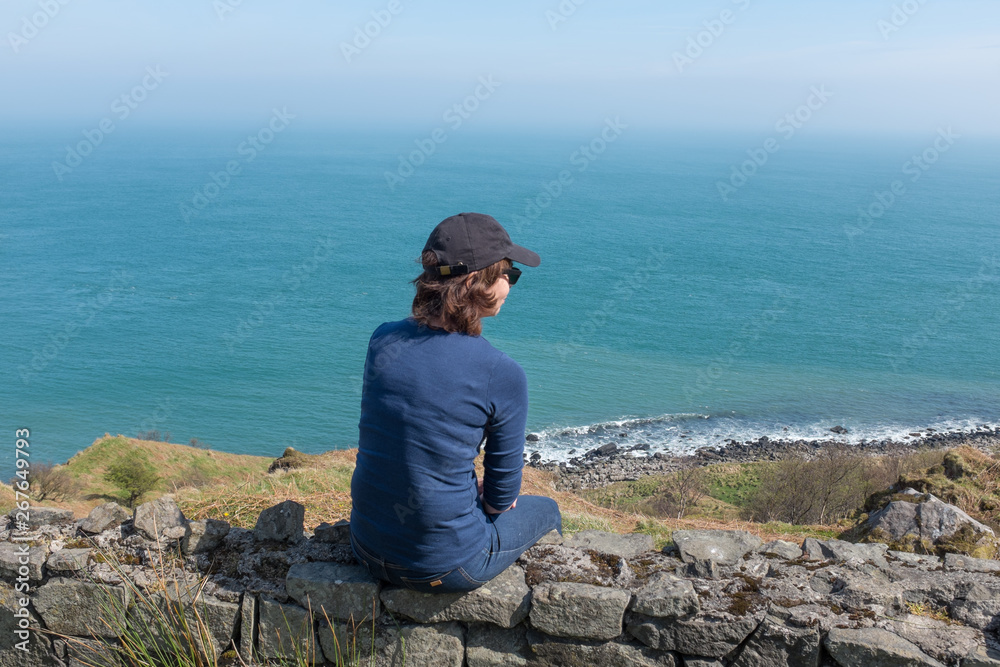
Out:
{"x": 931, "y": 519}
{"x": 561, "y": 652}
{"x": 338, "y": 533}
{"x": 874, "y": 647}
{"x": 693, "y": 661}
{"x": 75, "y": 608}
{"x": 283, "y": 522}
{"x": 854, "y": 589}
{"x": 551, "y": 537}
{"x": 781, "y": 549}
{"x": 248, "y": 626}
{"x": 68, "y": 560}
{"x": 152, "y": 518}
{"x": 503, "y": 601}
{"x": 284, "y": 629}
{"x": 626, "y": 546}
{"x": 983, "y": 656}
{"x": 209, "y": 618}
{"x": 437, "y": 645}
{"x": 578, "y": 610}
{"x": 948, "y": 643}
{"x": 776, "y": 644}
{"x": 487, "y": 645}
{"x": 204, "y": 535}
{"x": 344, "y": 591}
{"x": 920, "y": 560}
{"x": 722, "y": 547}
{"x": 665, "y": 595}
{"x": 977, "y": 604}
{"x": 82, "y": 652}
{"x": 39, "y": 647}
{"x": 10, "y": 560}
{"x": 711, "y": 635}
{"x": 840, "y": 551}
{"x": 38, "y": 517}
{"x": 970, "y": 564}
{"x": 104, "y": 517}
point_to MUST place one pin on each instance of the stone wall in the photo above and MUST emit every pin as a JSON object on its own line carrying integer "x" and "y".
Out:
{"x": 716, "y": 598}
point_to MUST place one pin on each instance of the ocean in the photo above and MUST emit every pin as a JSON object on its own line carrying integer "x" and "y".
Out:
{"x": 221, "y": 284}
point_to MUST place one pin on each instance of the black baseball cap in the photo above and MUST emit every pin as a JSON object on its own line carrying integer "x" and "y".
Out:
{"x": 471, "y": 241}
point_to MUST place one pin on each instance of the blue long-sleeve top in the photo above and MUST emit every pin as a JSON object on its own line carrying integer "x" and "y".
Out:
{"x": 429, "y": 399}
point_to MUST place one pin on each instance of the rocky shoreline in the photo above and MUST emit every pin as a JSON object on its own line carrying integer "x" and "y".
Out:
{"x": 611, "y": 462}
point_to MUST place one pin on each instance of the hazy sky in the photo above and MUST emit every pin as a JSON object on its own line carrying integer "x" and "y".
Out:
{"x": 889, "y": 66}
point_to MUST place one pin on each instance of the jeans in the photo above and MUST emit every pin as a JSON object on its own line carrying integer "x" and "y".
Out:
{"x": 513, "y": 532}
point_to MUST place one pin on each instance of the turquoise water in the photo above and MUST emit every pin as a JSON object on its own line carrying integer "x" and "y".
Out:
{"x": 659, "y": 309}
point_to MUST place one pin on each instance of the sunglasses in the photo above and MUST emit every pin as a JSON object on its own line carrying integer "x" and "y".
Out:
{"x": 512, "y": 274}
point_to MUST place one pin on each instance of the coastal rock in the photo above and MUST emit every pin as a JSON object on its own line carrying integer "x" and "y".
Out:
{"x": 578, "y": 610}
{"x": 38, "y": 517}
{"x": 152, "y": 518}
{"x": 343, "y": 591}
{"x": 284, "y": 522}
{"x": 559, "y": 652}
{"x": 12, "y": 559}
{"x": 502, "y": 601}
{"x": 719, "y": 547}
{"x": 68, "y": 560}
{"x": 625, "y": 546}
{"x": 68, "y": 606}
{"x": 104, "y": 517}
{"x": 712, "y": 635}
{"x": 284, "y": 629}
{"x": 204, "y": 535}
{"x": 666, "y": 596}
{"x": 926, "y": 517}
{"x": 781, "y": 549}
{"x": 840, "y": 551}
{"x": 776, "y": 644}
{"x": 489, "y": 646}
{"x": 874, "y": 647}
{"x": 338, "y": 533}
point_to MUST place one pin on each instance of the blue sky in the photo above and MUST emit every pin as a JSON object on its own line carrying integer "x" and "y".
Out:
{"x": 938, "y": 64}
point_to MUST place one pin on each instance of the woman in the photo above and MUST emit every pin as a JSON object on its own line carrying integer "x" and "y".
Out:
{"x": 435, "y": 391}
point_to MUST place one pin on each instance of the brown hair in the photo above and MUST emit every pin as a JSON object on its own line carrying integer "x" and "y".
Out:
{"x": 448, "y": 299}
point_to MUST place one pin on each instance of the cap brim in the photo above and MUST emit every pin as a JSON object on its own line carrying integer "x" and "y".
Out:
{"x": 522, "y": 255}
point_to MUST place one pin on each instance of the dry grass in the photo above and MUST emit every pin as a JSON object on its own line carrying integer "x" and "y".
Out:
{"x": 237, "y": 488}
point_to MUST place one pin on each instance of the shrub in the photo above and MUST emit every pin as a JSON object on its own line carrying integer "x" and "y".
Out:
{"x": 133, "y": 475}
{"x": 51, "y": 482}
{"x": 155, "y": 436}
{"x": 689, "y": 486}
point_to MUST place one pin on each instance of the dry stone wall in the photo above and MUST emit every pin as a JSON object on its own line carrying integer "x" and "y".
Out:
{"x": 718, "y": 598}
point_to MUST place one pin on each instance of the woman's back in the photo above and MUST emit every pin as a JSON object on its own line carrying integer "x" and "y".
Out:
{"x": 429, "y": 399}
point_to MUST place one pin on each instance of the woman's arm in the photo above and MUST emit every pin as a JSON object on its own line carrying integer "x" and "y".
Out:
{"x": 504, "y": 451}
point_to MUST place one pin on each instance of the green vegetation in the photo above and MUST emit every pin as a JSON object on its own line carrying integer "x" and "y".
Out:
{"x": 133, "y": 475}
